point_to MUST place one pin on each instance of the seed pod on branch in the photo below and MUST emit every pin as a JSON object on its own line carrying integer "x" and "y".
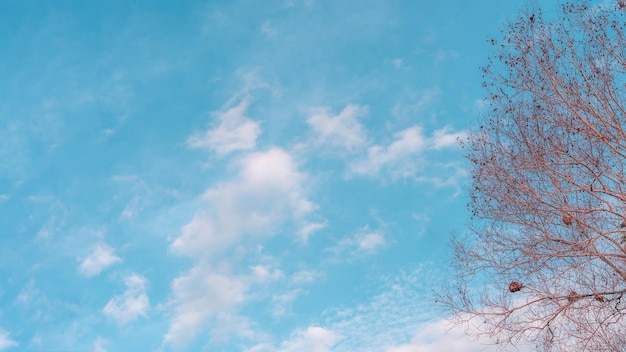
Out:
{"x": 515, "y": 286}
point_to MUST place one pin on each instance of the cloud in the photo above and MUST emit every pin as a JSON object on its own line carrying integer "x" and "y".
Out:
{"x": 200, "y": 294}
{"x": 101, "y": 258}
{"x": 5, "y": 340}
{"x": 307, "y": 230}
{"x": 446, "y": 138}
{"x": 364, "y": 242}
{"x": 340, "y": 131}
{"x": 134, "y": 302}
{"x": 404, "y": 156}
{"x": 411, "y": 110}
{"x": 99, "y": 345}
{"x": 305, "y": 277}
{"x": 313, "y": 339}
{"x": 439, "y": 335}
{"x": 399, "y": 155}
{"x": 234, "y": 131}
{"x": 267, "y": 191}
{"x": 281, "y": 303}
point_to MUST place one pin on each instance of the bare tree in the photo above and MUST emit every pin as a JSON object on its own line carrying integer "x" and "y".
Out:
{"x": 545, "y": 259}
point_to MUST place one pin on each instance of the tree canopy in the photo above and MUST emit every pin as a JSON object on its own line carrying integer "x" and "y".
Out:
{"x": 545, "y": 258}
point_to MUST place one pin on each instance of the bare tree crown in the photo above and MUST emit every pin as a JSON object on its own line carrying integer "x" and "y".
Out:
{"x": 545, "y": 261}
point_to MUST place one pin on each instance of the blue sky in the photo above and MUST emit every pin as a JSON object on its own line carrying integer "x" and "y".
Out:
{"x": 261, "y": 176}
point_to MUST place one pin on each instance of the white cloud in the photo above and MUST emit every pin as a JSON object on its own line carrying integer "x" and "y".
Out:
{"x": 399, "y": 156}
{"x": 364, "y": 242}
{"x": 267, "y": 191}
{"x": 438, "y": 336}
{"x": 305, "y": 277}
{"x": 200, "y": 295}
{"x": 134, "y": 302}
{"x": 234, "y": 132}
{"x": 5, "y": 340}
{"x": 307, "y": 230}
{"x": 369, "y": 242}
{"x": 101, "y": 258}
{"x": 99, "y": 345}
{"x": 281, "y": 303}
{"x": 446, "y": 138}
{"x": 313, "y": 339}
{"x": 405, "y": 155}
{"x": 48, "y": 229}
{"x": 343, "y": 130}
{"x": 263, "y": 273}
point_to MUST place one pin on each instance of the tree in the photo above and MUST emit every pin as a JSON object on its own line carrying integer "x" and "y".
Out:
{"x": 545, "y": 257}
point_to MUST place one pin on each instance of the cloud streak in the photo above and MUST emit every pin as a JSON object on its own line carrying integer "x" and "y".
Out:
{"x": 132, "y": 304}
{"x": 233, "y": 132}
{"x": 100, "y": 258}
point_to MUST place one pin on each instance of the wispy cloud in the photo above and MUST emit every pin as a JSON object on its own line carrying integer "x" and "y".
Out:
{"x": 233, "y": 132}
{"x": 5, "y": 341}
{"x": 439, "y": 335}
{"x": 446, "y": 138}
{"x": 400, "y": 156}
{"x": 199, "y": 295}
{"x": 99, "y": 345}
{"x": 313, "y": 339}
{"x": 406, "y": 155}
{"x": 100, "y": 258}
{"x": 343, "y": 130}
{"x": 134, "y": 302}
{"x": 309, "y": 229}
{"x": 363, "y": 242}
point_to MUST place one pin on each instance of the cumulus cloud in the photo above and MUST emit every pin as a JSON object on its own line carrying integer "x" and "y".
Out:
{"x": 233, "y": 132}
{"x": 5, "y": 340}
{"x": 343, "y": 130}
{"x": 266, "y": 192}
{"x": 101, "y": 258}
{"x": 134, "y": 302}
{"x": 313, "y": 339}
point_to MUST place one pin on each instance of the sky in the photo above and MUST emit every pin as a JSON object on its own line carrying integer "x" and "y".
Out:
{"x": 258, "y": 176}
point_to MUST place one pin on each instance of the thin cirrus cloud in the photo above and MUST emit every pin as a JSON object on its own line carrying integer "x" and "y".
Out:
{"x": 100, "y": 258}
{"x": 130, "y": 305}
{"x": 233, "y": 131}
{"x": 364, "y": 242}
